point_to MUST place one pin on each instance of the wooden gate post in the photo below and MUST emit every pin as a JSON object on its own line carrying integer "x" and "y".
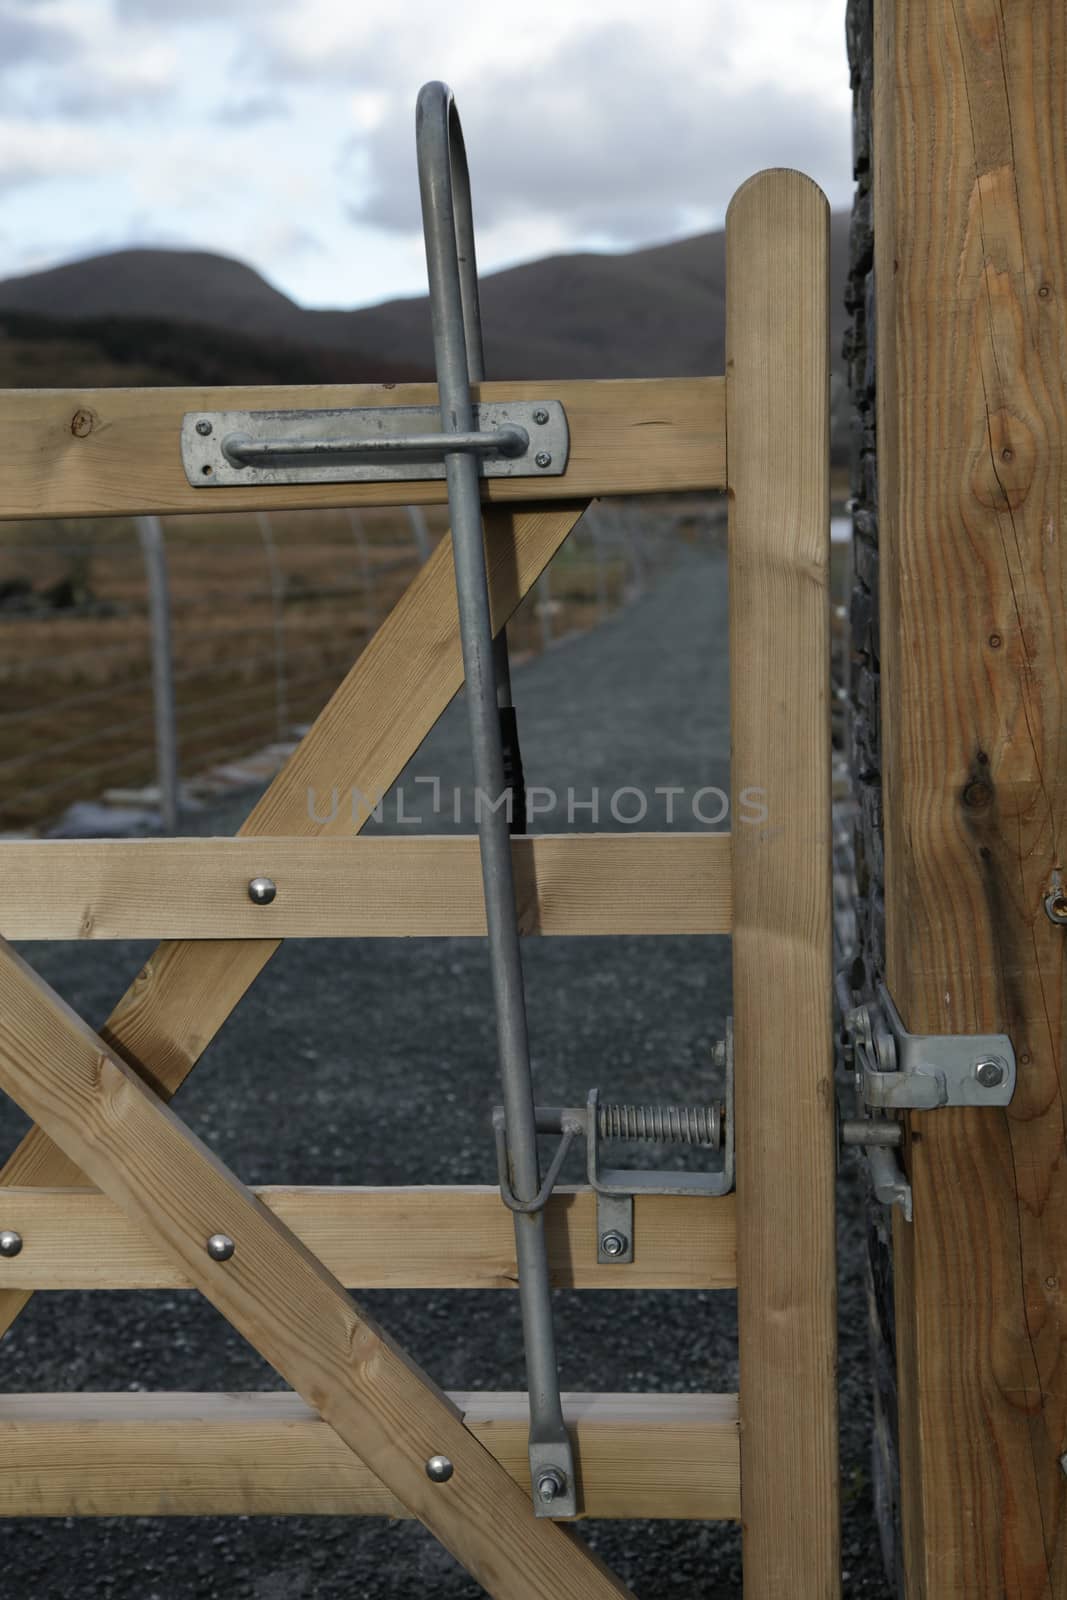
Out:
{"x": 971, "y": 272}
{"x": 777, "y": 451}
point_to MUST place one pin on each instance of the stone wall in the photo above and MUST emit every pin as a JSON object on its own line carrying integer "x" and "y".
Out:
{"x": 866, "y": 963}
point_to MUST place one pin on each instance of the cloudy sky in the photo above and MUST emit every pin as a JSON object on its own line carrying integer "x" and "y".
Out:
{"x": 281, "y": 131}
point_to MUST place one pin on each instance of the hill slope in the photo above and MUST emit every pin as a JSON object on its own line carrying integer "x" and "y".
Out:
{"x": 650, "y": 313}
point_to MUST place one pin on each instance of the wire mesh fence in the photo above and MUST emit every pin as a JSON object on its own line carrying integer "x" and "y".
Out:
{"x": 138, "y": 655}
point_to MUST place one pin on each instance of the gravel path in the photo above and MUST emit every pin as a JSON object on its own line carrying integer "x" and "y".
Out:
{"x": 372, "y": 1062}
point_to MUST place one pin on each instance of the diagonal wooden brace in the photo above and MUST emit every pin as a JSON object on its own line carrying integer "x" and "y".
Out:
{"x": 363, "y": 738}
{"x": 280, "y": 1297}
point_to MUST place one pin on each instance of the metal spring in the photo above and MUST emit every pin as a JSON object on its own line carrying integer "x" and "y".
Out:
{"x": 661, "y": 1124}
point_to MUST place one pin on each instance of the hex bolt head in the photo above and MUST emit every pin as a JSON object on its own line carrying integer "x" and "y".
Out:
{"x": 550, "y": 1485}
{"x": 220, "y": 1247}
{"x": 543, "y": 458}
{"x": 614, "y": 1244}
{"x": 540, "y": 415}
{"x": 439, "y": 1469}
{"x": 990, "y": 1074}
{"x": 261, "y": 891}
{"x": 10, "y": 1242}
{"x": 203, "y": 427}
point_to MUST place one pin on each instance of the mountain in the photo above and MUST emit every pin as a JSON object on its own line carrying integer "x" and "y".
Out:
{"x": 657, "y": 312}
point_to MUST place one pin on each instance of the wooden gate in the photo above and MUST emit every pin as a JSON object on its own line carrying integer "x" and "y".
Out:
{"x": 111, "y": 1189}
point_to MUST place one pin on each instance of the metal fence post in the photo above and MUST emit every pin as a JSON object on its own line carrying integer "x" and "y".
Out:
{"x": 154, "y": 553}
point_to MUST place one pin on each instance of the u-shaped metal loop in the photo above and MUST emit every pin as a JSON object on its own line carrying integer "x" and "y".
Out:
{"x": 444, "y": 185}
{"x": 448, "y": 224}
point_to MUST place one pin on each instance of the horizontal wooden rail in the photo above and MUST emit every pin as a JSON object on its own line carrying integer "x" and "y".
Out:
{"x": 84, "y": 1455}
{"x": 368, "y": 886}
{"x": 115, "y": 452}
{"x": 415, "y": 1238}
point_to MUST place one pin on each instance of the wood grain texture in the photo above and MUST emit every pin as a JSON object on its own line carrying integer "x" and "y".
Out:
{"x": 92, "y": 1455}
{"x": 279, "y": 1297}
{"x": 369, "y": 729}
{"x": 639, "y": 436}
{"x": 777, "y": 345}
{"x": 971, "y": 266}
{"x": 427, "y": 1237}
{"x": 370, "y": 887}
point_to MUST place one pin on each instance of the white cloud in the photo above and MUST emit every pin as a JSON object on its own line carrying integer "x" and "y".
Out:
{"x": 252, "y": 125}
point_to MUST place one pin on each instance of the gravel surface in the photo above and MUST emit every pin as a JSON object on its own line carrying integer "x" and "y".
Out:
{"x": 372, "y": 1062}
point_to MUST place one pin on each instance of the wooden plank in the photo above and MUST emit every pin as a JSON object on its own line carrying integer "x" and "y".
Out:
{"x": 369, "y": 887}
{"x": 777, "y": 401}
{"x": 115, "y": 452}
{"x": 362, "y": 739}
{"x": 971, "y": 254}
{"x": 410, "y": 1238}
{"x": 166, "y": 1455}
{"x": 279, "y": 1297}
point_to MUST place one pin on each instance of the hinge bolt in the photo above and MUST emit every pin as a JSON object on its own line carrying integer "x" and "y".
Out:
{"x": 543, "y": 458}
{"x": 550, "y": 1485}
{"x": 990, "y": 1074}
{"x": 10, "y": 1242}
{"x": 614, "y": 1244}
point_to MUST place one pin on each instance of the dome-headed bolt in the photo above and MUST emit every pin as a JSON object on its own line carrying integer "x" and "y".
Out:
{"x": 10, "y": 1242}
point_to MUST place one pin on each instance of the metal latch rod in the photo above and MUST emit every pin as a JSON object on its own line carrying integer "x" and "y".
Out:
{"x": 444, "y": 186}
{"x": 509, "y": 440}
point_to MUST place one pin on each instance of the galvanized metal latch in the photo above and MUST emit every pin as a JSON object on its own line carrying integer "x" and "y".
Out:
{"x": 900, "y": 1071}
{"x": 385, "y": 444}
{"x": 709, "y": 1126}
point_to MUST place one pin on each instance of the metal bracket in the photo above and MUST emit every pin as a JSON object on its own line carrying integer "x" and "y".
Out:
{"x": 385, "y": 444}
{"x": 710, "y": 1126}
{"x": 901, "y": 1071}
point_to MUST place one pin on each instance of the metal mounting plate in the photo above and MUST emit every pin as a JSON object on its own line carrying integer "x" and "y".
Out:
{"x": 205, "y": 435}
{"x": 898, "y": 1070}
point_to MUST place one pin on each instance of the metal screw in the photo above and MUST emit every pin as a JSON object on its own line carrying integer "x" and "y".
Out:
{"x": 1056, "y": 907}
{"x": 220, "y": 1247}
{"x": 10, "y": 1242}
{"x": 439, "y": 1469}
{"x": 543, "y": 458}
{"x": 550, "y": 1485}
{"x": 990, "y": 1074}
{"x": 203, "y": 427}
{"x": 540, "y": 415}
{"x": 614, "y": 1244}
{"x": 261, "y": 891}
